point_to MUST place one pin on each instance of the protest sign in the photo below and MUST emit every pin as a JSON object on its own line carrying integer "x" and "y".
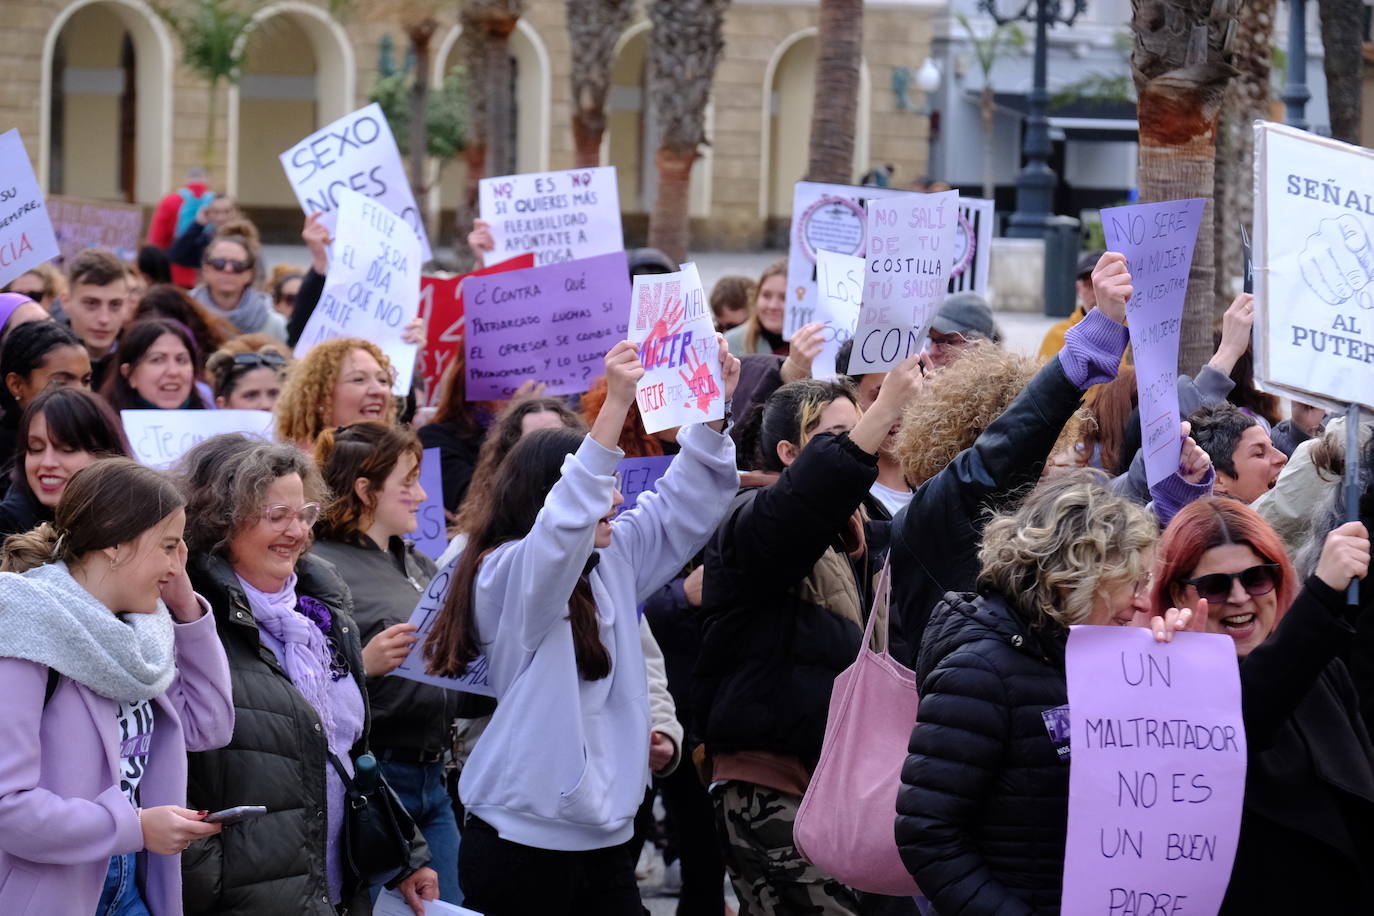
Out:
{"x": 355, "y": 153}
{"x": 391, "y": 903}
{"x": 671, "y": 321}
{"x": 26, "y": 233}
{"x": 558, "y": 216}
{"x": 160, "y": 437}
{"x": 431, "y": 529}
{"x": 423, "y": 617}
{"x": 905, "y": 278}
{"x": 1157, "y": 771}
{"x": 81, "y": 224}
{"x": 972, "y": 254}
{"x": 825, "y": 217}
{"x": 839, "y": 288}
{"x": 372, "y": 290}
{"x": 1157, "y": 240}
{"x": 441, "y": 307}
{"x": 634, "y": 476}
{"x": 548, "y": 324}
{"x": 1314, "y": 267}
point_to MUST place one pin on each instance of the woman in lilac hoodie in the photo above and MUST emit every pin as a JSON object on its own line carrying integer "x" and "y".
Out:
{"x": 111, "y": 670}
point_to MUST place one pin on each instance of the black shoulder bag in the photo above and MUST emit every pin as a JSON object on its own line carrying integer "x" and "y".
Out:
{"x": 377, "y": 829}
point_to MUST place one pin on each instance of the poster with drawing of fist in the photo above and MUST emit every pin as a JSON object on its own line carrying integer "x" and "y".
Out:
{"x": 1338, "y": 261}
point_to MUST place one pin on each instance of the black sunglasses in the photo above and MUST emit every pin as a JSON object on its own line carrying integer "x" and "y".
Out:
{"x": 230, "y": 265}
{"x": 269, "y": 359}
{"x": 1257, "y": 580}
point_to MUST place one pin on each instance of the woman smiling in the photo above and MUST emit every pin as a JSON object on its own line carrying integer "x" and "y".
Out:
{"x": 158, "y": 365}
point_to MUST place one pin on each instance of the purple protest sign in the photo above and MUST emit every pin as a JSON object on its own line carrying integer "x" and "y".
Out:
{"x": 634, "y": 476}
{"x": 550, "y": 324}
{"x": 1157, "y": 240}
{"x": 431, "y": 530}
{"x": 1157, "y": 772}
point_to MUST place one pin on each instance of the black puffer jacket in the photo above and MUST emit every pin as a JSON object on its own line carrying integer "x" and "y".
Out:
{"x": 273, "y": 865}
{"x": 983, "y": 806}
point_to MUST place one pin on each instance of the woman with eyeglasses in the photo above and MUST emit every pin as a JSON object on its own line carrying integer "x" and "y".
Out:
{"x": 227, "y": 273}
{"x": 1309, "y": 787}
{"x": 296, "y": 664}
{"x": 285, "y": 288}
{"x": 246, "y": 381}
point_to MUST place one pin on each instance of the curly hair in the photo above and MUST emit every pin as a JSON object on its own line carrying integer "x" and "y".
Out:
{"x": 368, "y": 451}
{"x": 227, "y": 498}
{"x": 959, "y": 403}
{"x": 307, "y": 398}
{"x": 1071, "y": 541}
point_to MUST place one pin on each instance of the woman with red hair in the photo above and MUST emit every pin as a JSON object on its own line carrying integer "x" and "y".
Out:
{"x": 1309, "y": 794}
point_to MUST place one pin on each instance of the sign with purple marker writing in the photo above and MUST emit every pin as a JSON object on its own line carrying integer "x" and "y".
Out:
{"x": 1157, "y": 772}
{"x": 671, "y": 321}
{"x": 549, "y": 324}
{"x": 907, "y": 273}
{"x": 431, "y": 530}
{"x": 635, "y": 476}
{"x": 1157, "y": 240}
{"x": 474, "y": 680}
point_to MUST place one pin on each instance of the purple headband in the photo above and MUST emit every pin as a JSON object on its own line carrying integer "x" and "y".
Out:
{"x": 9, "y": 304}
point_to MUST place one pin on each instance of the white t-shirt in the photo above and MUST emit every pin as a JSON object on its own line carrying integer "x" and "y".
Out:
{"x": 135, "y": 739}
{"x": 891, "y": 499}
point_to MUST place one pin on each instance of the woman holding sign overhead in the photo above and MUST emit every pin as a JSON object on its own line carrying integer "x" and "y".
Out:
{"x": 546, "y": 589}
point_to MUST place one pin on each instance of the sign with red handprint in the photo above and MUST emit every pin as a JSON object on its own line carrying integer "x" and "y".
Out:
{"x": 671, "y": 321}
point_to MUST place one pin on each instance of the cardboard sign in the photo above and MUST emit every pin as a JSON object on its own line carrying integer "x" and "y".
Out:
{"x": 159, "y": 438}
{"x": 356, "y": 153}
{"x": 635, "y": 476}
{"x": 556, "y": 216}
{"x": 1314, "y": 267}
{"x": 423, "y": 617}
{"x": 906, "y": 276}
{"x": 551, "y": 324}
{"x": 839, "y": 283}
{"x": 431, "y": 530}
{"x": 372, "y": 289}
{"x": 1157, "y": 771}
{"x": 1157, "y": 240}
{"x": 26, "y": 232}
{"x": 81, "y": 224}
{"x": 671, "y": 320}
{"x": 972, "y": 255}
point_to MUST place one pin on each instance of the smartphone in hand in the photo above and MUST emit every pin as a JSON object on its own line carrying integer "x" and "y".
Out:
{"x": 235, "y": 815}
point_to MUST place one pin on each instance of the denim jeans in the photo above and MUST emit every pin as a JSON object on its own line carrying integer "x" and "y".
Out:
{"x": 121, "y": 896}
{"x": 420, "y": 787}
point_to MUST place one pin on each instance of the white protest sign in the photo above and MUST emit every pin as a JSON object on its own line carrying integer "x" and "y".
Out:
{"x": 355, "y": 153}
{"x": 972, "y": 255}
{"x": 825, "y": 217}
{"x": 671, "y": 321}
{"x": 839, "y": 285}
{"x": 905, "y": 277}
{"x": 26, "y": 236}
{"x": 413, "y": 668}
{"x": 372, "y": 290}
{"x": 559, "y": 216}
{"x": 160, "y": 437}
{"x": 391, "y": 903}
{"x": 1314, "y": 267}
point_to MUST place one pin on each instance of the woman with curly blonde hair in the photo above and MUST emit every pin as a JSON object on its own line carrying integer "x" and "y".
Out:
{"x": 982, "y": 811}
{"x": 338, "y": 382}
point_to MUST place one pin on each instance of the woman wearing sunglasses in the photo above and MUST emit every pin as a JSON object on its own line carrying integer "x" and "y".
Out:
{"x": 246, "y": 381}
{"x": 227, "y": 274}
{"x": 1309, "y": 793}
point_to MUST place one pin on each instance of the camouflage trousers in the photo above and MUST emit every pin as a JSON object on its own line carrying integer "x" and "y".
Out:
{"x": 754, "y": 826}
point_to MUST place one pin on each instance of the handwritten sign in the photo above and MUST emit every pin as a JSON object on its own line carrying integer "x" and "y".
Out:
{"x": 839, "y": 283}
{"x": 391, "y": 903}
{"x": 1157, "y": 775}
{"x": 1314, "y": 267}
{"x": 426, "y": 611}
{"x": 355, "y": 153}
{"x": 81, "y": 224}
{"x": 634, "y": 476}
{"x": 671, "y": 321}
{"x": 558, "y": 216}
{"x": 551, "y": 324}
{"x": 907, "y": 271}
{"x": 1157, "y": 240}
{"x": 431, "y": 531}
{"x": 372, "y": 290}
{"x": 160, "y": 437}
{"x": 26, "y": 235}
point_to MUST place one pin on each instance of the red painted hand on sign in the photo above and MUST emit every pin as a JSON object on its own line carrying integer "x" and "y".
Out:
{"x": 699, "y": 381}
{"x": 669, "y": 325}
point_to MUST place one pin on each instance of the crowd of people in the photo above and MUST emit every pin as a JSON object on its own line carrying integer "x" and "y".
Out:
{"x": 181, "y": 644}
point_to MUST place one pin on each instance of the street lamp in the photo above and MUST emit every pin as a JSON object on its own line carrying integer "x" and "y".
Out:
{"x": 1036, "y": 181}
{"x": 1295, "y": 93}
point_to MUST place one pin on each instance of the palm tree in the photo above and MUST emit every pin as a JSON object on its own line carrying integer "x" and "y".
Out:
{"x": 684, "y": 48}
{"x": 593, "y": 28}
{"x": 1181, "y": 67}
{"x": 1342, "y": 39}
{"x": 494, "y": 21}
{"x": 988, "y": 50}
{"x": 834, "y": 115}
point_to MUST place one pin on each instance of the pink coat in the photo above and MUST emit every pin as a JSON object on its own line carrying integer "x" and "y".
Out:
{"x": 62, "y": 814}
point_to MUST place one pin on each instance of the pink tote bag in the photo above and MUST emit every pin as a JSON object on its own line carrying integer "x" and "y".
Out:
{"x": 845, "y": 825}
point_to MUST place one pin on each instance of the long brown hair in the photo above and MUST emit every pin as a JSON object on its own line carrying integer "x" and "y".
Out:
{"x": 367, "y": 450}
{"x": 1110, "y": 405}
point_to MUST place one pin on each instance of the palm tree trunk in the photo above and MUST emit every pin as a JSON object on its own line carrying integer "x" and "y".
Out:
{"x": 834, "y": 115}
{"x": 674, "y": 191}
{"x": 420, "y": 35}
{"x": 989, "y": 113}
{"x": 1342, "y": 29}
{"x": 593, "y": 28}
{"x": 211, "y": 116}
{"x": 500, "y": 98}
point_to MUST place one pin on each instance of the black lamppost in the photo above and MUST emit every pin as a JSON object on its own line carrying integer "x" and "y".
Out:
{"x": 1035, "y": 184}
{"x": 1295, "y": 93}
